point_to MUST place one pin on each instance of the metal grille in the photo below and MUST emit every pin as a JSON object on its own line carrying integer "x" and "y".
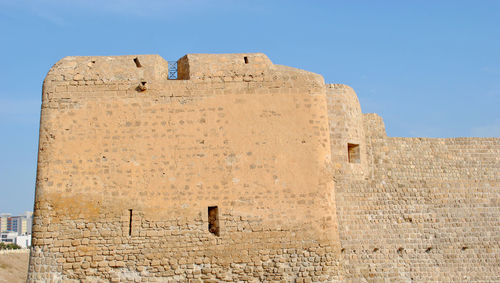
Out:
{"x": 172, "y": 70}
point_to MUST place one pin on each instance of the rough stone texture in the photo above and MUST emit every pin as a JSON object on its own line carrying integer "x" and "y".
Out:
{"x": 251, "y": 139}
{"x": 129, "y": 163}
{"x": 415, "y": 209}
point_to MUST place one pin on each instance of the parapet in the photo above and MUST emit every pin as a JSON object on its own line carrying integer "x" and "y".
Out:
{"x": 208, "y": 66}
{"x": 241, "y": 67}
{"x": 108, "y": 68}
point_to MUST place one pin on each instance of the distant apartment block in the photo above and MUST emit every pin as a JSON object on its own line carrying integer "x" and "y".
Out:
{"x": 19, "y": 224}
{"x": 16, "y": 229}
{"x": 3, "y": 221}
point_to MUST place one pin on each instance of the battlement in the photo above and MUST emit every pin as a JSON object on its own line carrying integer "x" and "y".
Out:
{"x": 244, "y": 67}
{"x": 108, "y": 68}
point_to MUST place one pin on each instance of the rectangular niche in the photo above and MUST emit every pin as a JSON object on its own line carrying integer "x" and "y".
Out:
{"x": 213, "y": 220}
{"x": 130, "y": 223}
{"x": 353, "y": 153}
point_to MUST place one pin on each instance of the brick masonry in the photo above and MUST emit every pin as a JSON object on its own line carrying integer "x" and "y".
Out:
{"x": 129, "y": 163}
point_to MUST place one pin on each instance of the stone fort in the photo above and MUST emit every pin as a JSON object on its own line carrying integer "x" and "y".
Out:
{"x": 233, "y": 169}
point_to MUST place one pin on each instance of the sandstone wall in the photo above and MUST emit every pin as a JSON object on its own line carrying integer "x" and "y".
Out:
{"x": 129, "y": 163}
{"x": 307, "y": 188}
{"x": 346, "y": 127}
{"x": 429, "y": 211}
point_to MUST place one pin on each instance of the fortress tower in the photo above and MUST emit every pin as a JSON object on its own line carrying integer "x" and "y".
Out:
{"x": 233, "y": 169}
{"x": 221, "y": 174}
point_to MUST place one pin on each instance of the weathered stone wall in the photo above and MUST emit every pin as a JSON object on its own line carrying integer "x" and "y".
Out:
{"x": 346, "y": 127}
{"x": 428, "y": 211}
{"x": 124, "y": 150}
{"x": 308, "y": 189}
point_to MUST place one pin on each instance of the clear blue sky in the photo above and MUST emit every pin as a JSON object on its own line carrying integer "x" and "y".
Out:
{"x": 429, "y": 68}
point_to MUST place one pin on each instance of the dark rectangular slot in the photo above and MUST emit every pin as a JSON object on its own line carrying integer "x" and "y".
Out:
{"x": 130, "y": 223}
{"x": 137, "y": 63}
{"x": 246, "y": 59}
{"x": 353, "y": 153}
{"x": 213, "y": 220}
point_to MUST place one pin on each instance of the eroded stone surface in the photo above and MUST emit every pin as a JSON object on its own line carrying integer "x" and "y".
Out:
{"x": 130, "y": 162}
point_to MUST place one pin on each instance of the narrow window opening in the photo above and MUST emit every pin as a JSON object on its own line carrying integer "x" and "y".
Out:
{"x": 246, "y": 59}
{"x": 353, "y": 153}
{"x": 213, "y": 220}
{"x": 130, "y": 223}
{"x": 137, "y": 63}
